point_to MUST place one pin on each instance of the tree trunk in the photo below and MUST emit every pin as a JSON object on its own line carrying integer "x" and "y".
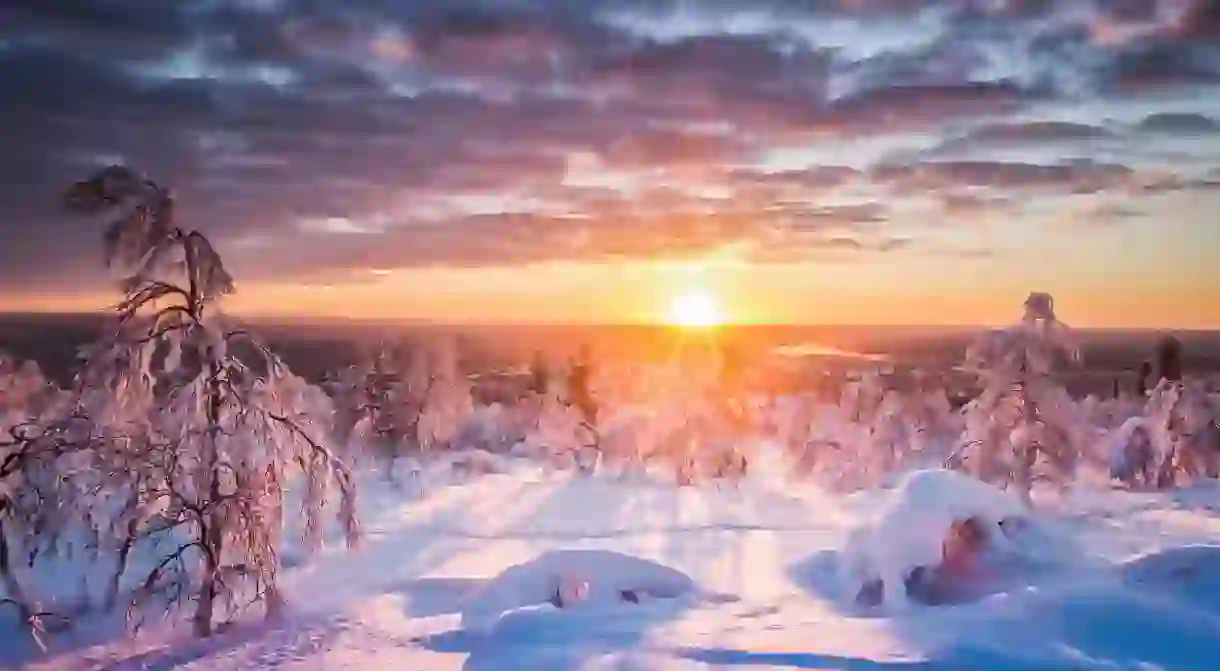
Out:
{"x": 208, "y": 589}
{"x": 275, "y": 599}
{"x": 211, "y": 526}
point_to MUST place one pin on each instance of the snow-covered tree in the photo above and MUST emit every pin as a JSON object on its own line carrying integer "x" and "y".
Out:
{"x": 1181, "y": 422}
{"x": 1023, "y": 412}
{"x": 211, "y": 422}
{"x": 861, "y": 398}
{"x": 447, "y": 402}
{"x": 42, "y": 450}
{"x": 378, "y": 402}
{"x": 891, "y": 432}
{"x": 407, "y": 400}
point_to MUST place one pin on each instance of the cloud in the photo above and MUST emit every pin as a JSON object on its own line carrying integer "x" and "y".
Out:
{"x": 371, "y": 134}
{"x": 601, "y": 227}
{"x": 1005, "y": 133}
{"x": 1185, "y": 123}
{"x": 836, "y": 249}
{"x": 1178, "y": 183}
{"x": 1070, "y": 177}
{"x": 1164, "y": 63}
{"x": 971, "y": 204}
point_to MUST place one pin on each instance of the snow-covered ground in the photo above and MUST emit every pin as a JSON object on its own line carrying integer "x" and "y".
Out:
{"x": 735, "y": 577}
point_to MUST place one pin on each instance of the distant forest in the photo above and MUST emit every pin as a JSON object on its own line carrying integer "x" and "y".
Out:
{"x": 315, "y": 349}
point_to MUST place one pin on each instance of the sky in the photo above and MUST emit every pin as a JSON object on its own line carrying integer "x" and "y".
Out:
{"x": 802, "y": 161}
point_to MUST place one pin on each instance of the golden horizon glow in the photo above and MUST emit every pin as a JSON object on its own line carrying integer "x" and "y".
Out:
{"x": 696, "y": 309}
{"x": 963, "y": 294}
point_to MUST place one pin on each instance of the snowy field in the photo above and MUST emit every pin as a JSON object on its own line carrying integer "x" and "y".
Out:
{"x": 751, "y": 583}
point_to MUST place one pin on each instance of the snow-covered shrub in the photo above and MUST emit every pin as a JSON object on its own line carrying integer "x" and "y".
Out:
{"x": 1133, "y": 456}
{"x": 909, "y": 529}
{"x": 206, "y": 423}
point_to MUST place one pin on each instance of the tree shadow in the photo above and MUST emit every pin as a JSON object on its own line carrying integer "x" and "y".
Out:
{"x": 17, "y": 645}
{"x": 1188, "y": 575}
{"x": 295, "y": 640}
{"x": 549, "y": 638}
{"x": 1200, "y": 497}
{"x": 962, "y": 660}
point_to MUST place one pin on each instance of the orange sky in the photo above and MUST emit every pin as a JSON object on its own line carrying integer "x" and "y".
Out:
{"x": 644, "y": 292}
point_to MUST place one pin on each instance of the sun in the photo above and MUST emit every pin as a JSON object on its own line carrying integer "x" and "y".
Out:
{"x": 694, "y": 309}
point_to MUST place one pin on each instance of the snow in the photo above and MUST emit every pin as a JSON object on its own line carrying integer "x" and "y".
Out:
{"x": 573, "y": 578}
{"x": 908, "y": 528}
{"x": 457, "y": 578}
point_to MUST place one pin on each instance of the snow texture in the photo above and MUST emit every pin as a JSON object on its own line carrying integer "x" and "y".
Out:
{"x": 1133, "y": 594}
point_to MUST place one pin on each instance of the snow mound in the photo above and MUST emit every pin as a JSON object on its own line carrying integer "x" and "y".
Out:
{"x": 910, "y": 525}
{"x": 568, "y": 578}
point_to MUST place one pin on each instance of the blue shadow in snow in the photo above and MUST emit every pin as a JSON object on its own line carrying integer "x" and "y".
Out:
{"x": 1160, "y": 611}
{"x": 958, "y": 661}
{"x": 1068, "y": 630}
{"x": 553, "y": 639}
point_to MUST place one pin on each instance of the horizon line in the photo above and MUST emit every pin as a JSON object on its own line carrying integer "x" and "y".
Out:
{"x": 273, "y": 320}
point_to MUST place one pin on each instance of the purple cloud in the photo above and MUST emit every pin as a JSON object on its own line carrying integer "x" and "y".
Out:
{"x": 367, "y": 134}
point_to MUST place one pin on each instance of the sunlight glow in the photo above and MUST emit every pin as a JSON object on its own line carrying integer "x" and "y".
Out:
{"x": 695, "y": 309}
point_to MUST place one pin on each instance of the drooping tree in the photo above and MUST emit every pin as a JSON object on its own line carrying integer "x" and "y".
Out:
{"x": 210, "y": 426}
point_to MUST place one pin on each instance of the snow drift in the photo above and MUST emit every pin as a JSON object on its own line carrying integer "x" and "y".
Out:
{"x": 574, "y": 578}
{"x": 909, "y": 528}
